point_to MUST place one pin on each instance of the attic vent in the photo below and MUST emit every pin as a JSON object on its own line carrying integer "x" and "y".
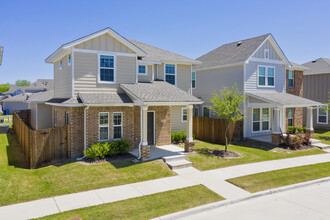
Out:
{"x": 239, "y": 43}
{"x": 314, "y": 61}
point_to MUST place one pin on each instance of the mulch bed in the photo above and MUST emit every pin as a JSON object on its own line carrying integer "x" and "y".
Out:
{"x": 108, "y": 159}
{"x": 224, "y": 154}
{"x": 304, "y": 147}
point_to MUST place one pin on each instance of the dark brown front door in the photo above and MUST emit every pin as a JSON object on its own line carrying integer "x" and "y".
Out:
{"x": 151, "y": 128}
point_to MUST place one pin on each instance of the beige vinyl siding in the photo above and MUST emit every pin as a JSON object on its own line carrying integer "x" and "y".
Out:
{"x": 148, "y": 77}
{"x": 176, "y": 120}
{"x": 184, "y": 77}
{"x": 44, "y": 116}
{"x": 161, "y": 71}
{"x": 33, "y": 115}
{"x": 86, "y": 72}
{"x": 104, "y": 42}
{"x": 63, "y": 79}
{"x": 272, "y": 53}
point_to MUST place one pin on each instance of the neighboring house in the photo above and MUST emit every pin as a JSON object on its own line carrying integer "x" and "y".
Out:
{"x": 1, "y": 54}
{"x": 40, "y": 112}
{"x": 16, "y": 103}
{"x": 107, "y": 87}
{"x": 317, "y": 87}
{"x": 258, "y": 66}
{"x": 40, "y": 85}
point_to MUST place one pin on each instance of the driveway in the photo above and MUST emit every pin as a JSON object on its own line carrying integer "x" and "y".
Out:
{"x": 311, "y": 202}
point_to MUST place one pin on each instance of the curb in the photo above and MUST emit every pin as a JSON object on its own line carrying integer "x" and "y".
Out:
{"x": 214, "y": 205}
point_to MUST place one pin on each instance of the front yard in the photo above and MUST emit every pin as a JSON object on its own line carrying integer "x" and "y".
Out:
{"x": 19, "y": 184}
{"x": 322, "y": 135}
{"x": 251, "y": 151}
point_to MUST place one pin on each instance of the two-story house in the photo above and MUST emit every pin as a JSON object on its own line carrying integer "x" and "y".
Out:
{"x": 258, "y": 66}
{"x": 107, "y": 87}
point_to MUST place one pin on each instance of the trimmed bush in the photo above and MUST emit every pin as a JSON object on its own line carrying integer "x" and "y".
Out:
{"x": 183, "y": 135}
{"x": 101, "y": 150}
{"x": 119, "y": 147}
{"x": 178, "y": 136}
{"x": 293, "y": 130}
{"x": 97, "y": 150}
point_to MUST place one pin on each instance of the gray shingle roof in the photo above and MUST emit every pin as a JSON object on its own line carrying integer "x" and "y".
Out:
{"x": 42, "y": 96}
{"x": 318, "y": 65}
{"x": 283, "y": 99}
{"x": 65, "y": 101}
{"x": 19, "y": 98}
{"x": 37, "y": 86}
{"x": 158, "y": 55}
{"x": 298, "y": 66}
{"x": 158, "y": 91}
{"x": 231, "y": 53}
{"x": 105, "y": 98}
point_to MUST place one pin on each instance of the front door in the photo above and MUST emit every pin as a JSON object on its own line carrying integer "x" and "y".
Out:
{"x": 151, "y": 128}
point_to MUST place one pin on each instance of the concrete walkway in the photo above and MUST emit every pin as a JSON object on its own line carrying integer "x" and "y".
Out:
{"x": 213, "y": 179}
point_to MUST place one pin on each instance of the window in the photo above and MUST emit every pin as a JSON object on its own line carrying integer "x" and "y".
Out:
{"x": 69, "y": 60}
{"x": 55, "y": 118}
{"x": 170, "y": 73}
{"x": 322, "y": 114}
{"x": 103, "y": 126}
{"x": 291, "y": 79}
{"x": 290, "y": 116}
{"x": 266, "y": 53}
{"x": 143, "y": 70}
{"x": 66, "y": 118}
{"x": 107, "y": 69}
{"x": 184, "y": 115}
{"x": 196, "y": 111}
{"x": 206, "y": 112}
{"x": 117, "y": 125}
{"x": 193, "y": 80}
{"x": 266, "y": 76}
{"x": 60, "y": 64}
{"x": 260, "y": 119}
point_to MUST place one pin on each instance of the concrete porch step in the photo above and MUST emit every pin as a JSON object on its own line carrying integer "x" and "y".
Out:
{"x": 174, "y": 158}
{"x": 179, "y": 164}
{"x": 315, "y": 141}
{"x": 321, "y": 146}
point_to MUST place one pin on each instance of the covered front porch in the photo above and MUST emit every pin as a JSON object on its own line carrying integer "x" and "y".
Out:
{"x": 268, "y": 114}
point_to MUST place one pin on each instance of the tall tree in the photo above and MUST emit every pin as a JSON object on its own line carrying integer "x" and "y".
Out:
{"x": 4, "y": 87}
{"x": 227, "y": 106}
{"x": 22, "y": 83}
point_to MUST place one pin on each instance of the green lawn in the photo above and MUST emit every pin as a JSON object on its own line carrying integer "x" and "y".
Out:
{"x": 278, "y": 178}
{"x": 146, "y": 207}
{"x": 251, "y": 151}
{"x": 19, "y": 184}
{"x": 6, "y": 122}
{"x": 322, "y": 135}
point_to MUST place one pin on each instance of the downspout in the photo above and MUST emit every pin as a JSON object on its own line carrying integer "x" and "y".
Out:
{"x": 85, "y": 127}
{"x": 137, "y": 160}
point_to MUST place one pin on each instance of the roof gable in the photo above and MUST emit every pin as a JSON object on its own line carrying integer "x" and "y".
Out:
{"x": 320, "y": 65}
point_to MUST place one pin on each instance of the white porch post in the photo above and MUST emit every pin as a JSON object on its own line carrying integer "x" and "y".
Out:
{"x": 276, "y": 133}
{"x": 309, "y": 123}
{"x": 189, "y": 123}
{"x": 144, "y": 125}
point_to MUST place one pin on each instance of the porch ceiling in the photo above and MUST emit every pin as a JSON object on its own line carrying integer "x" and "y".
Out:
{"x": 283, "y": 99}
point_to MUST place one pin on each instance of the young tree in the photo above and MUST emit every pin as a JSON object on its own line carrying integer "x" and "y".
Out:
{"x": 227, "y": 106}
{"x": 22, "y": 83}
{"x": 4, "y": 87}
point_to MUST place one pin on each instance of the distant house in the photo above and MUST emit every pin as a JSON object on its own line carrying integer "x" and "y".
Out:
{"x": 40, "y": 85}
{"x": 16, "y": 103}
{"x": 317, "y": 87}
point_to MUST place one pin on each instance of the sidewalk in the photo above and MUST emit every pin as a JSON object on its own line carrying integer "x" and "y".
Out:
{"x": 213, "y": 179}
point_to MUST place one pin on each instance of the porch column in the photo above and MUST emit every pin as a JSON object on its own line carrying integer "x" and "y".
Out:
{"x": 309, "y": 123}
{"x": 144, "y": 125}
{"x": 276, "y": 133}
{"x": 189, "y": 145}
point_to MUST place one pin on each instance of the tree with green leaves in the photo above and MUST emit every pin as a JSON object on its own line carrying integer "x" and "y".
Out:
{"x": 22, "y": 83}
{"x": 226, "y": 105}
{"x": 4, "y": 87}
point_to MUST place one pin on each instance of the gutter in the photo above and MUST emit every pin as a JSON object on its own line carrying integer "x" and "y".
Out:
{"x": 85, "y": 127}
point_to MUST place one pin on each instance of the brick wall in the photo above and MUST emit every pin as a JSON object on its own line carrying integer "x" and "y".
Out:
{"x": 163, "y": 124}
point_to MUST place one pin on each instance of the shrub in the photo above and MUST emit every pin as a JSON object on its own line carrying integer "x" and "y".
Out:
{"x": 297, "y": 141}
{"x": 193, "y": 136}
{"x": 183, "y": 135}
{"x": 293, "y": 130}
{"x": 176, "y": 136}
{"x": 101, "y": 150}
{"x": 97, "y": 150}
{"x": 119, "y": 147}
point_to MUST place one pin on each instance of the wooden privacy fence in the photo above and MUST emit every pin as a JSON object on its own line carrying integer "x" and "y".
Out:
{"x": 41, "y": 147}
{"x": 213, "y": 130}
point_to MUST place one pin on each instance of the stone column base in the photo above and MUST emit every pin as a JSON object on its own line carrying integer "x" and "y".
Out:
{"x": 310, "y": 132}
{"x": 189, "y": 146}
{"x": 145, "y": 151}
{"x": 276, "y": 138}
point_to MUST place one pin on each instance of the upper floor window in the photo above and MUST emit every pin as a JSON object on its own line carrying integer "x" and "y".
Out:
{"x": 266, "y": 76}
{"x": 184, "y": 115}
{"x": 291, "y": 79}
{"x": 107, "y": 68}
{"x": 142, "y": 70}
{"x": 170, "y": 73}
{"x": 193, "y": 80}
{"x": 266, "y": 53}
{"x": 69, "y": 60}
{"x": 61, "y": 64}
{"x": 290, "y": 116}
{"x": 322, "y": 114}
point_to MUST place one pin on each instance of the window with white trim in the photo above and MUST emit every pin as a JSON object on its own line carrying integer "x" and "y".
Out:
{"x": 290, "y": 116}
{"x": 290, "y": 79}
{"x": 193, "y": 80}
{"x": 260, "y": 119}
{"x": 206, "y": 112}
{"x": 69, "y": 60}
{"x": 107, "y": 68}
{"x": 104, "y": 126}
{"x": 170, "y": 73}
{"x": 184, "y": 115}
{"x": 60, "y": 64}
{"x": 66, "y": 118}
{"x": 55, "y": 117}
{"x": 266, "y": 53}
{"x": 117, "y": 125}
{"x": 322, "y": 114}
{"x": 196, "y": 111}
{"x": 266, "y": 76}
{"x": 143, "y": 70}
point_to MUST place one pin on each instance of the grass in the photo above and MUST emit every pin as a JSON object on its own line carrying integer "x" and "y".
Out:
{"x": 251, "y": 151}
{"x": 6, "y": 120}
{"x": 273, "y": 179}
{"x": 322, "y": 135}
{"x": 146, "y": 207}
{"x": 19, "y": 184}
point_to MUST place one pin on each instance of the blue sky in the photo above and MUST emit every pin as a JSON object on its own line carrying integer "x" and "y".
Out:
{"x": 31, "y": 30}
